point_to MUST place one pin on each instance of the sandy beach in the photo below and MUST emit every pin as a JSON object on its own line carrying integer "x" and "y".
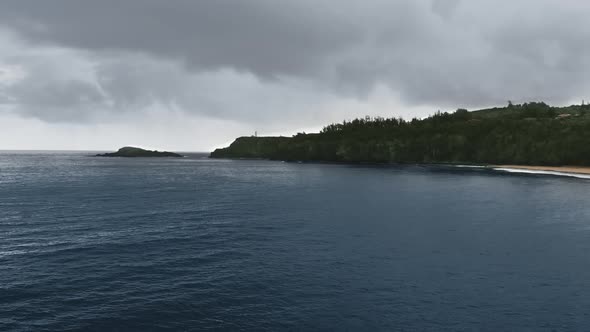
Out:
{"x": 561, "y": 169}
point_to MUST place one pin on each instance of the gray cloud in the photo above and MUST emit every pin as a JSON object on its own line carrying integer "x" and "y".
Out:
{"x": 445, "y": 8}
{"x": 266, "y": 60}
{"x": 57, "y": 101}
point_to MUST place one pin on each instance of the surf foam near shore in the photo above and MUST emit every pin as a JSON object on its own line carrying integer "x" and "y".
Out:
{"x": 576, "y": 172}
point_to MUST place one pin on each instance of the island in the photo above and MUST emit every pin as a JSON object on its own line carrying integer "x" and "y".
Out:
{"x": 130, "y": 151}
{"x": 525, "y": 134}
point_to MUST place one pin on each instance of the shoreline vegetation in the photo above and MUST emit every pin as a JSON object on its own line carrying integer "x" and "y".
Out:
{"x": 531, "y": 136}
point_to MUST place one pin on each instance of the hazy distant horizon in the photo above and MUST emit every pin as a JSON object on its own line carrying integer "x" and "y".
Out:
{"x": 92, "y": 151}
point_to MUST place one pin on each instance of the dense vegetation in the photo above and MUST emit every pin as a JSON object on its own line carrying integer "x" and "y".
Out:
{"x": 130, "y": 151}
{"x": 527, "y": 134}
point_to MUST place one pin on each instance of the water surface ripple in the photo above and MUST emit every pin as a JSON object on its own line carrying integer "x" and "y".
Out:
{"x": 111, "y": 244}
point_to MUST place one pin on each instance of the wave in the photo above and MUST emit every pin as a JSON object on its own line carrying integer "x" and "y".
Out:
{"x": 530, "y": 171}
{"x": 470, "y": 166}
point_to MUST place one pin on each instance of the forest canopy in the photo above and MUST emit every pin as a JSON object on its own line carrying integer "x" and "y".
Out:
{"x": 527, "y": 134}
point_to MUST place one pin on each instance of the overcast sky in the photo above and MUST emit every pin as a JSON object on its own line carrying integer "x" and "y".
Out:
{"x": 191, "y": 75}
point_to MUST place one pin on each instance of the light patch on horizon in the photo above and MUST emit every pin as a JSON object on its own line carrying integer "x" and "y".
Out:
{"x": 150, "y": 132}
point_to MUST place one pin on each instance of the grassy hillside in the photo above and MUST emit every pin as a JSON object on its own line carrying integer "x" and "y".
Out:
{"x": 527, "y": 134}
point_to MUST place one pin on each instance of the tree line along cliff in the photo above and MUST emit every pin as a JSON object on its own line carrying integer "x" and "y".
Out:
{"x": 528, "y": 134}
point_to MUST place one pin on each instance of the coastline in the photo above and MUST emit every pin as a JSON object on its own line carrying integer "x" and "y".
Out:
{"x": 580, "y": 170}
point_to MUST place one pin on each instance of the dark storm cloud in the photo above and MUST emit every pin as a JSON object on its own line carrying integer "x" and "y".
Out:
{"x": 263, "y": 36}
{"x": 441, "y": 53}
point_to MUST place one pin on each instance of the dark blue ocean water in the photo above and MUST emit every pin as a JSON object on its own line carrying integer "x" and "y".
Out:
{"x": 109, "y": 244}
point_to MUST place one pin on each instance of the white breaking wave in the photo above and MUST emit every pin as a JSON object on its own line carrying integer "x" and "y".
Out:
{"x": 530, "y": 171}
{"x": 12, "y": 252}
{"x": 470, "y": 166}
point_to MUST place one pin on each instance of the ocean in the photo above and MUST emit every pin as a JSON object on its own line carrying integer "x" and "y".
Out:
{"x": 114, "y": 244}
